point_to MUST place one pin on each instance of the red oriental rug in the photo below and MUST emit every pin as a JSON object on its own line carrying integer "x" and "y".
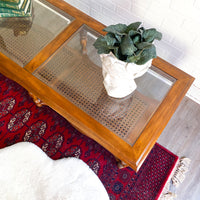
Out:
{"x": 22, "y": 120}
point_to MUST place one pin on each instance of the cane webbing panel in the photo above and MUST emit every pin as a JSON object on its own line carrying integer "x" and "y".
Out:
{"x": 74, "y": 72}
{"x": 21, "y": 39}
{"x": 80, "y": 81}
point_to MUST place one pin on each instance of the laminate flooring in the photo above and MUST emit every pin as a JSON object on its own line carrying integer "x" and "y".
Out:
{"x": 182, "y": 137}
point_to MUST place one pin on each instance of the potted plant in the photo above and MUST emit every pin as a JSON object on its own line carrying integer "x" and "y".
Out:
{"x": 126, "y": 52}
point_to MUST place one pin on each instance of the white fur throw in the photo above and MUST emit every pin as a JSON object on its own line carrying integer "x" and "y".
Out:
{"x": 27, "y": 173}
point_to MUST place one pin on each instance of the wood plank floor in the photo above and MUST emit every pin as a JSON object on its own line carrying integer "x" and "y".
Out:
{"x": 182, "y": 137}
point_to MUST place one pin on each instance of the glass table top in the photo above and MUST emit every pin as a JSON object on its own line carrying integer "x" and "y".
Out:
{"x": 74, "y": 71}
{"x": 21, "y": 39}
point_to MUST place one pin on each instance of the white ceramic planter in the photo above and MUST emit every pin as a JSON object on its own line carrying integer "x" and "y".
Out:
{"x": 119, "y": 76}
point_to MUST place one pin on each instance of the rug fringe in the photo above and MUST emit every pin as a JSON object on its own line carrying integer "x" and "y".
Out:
{"x": 168, "y": 196}
{"x": 177, "y": 177}
{"x": 180, "y": 172}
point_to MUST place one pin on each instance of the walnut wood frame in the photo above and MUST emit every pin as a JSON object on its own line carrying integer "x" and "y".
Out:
{"x": 132, "y": 155}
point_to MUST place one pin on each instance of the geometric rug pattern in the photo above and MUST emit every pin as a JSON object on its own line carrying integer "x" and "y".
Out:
{"x": 21, "y": 120}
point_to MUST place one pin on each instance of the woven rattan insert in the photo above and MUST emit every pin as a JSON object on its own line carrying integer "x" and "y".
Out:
{"x": 80, "y": 81}
{"x": 21, "y": 39}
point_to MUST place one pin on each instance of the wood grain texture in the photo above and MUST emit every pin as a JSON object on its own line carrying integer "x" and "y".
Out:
{"x": 132, "y": 155}
{"x": 182, "y": 137}
{"x": 165, "y": 111}
{"x": 52, "y": 46}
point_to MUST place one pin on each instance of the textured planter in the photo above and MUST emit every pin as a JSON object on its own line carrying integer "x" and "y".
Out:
{"x": 119, "y": 76}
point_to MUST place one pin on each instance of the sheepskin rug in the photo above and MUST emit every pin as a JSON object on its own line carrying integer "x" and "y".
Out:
{"x": 27, "y": 173}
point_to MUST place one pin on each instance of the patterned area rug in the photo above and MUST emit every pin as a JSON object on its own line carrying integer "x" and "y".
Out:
{"x": 22, "y": 120}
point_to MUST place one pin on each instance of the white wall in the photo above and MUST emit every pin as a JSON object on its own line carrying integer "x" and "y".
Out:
{"x": 178, "y": 20}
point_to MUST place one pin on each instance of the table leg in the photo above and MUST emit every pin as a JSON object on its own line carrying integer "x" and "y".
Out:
{"x": 121, "y": 164}
{"x": 36, "y": 100}
{"x": 83, "y": 41}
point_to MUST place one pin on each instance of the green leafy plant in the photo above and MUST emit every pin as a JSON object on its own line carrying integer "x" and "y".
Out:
{"x": 131, "y": 43}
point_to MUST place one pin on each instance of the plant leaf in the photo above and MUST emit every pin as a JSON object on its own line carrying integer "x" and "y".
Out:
{"x": 143, "y": 45}
{"x": 131, "y": 33}
{"x": 118, "y": 37}
{"x": 127, "y": 46}
{"x": 136, "y": 39}
{"x": 118, "y": 28}
{"x": 158, "y": 35}
{"x": 101, "y": 45}
{"x": 134, "y": 26}
{"x": 130, "y": 43}
{"x": 141, "y": 30}
{"x": 110, "y": 39}
{"x": 133, "y": 59}
{"x": 146, "y": 54}
{"x": 151, "y": 34}
{"x": 116, "y": 52}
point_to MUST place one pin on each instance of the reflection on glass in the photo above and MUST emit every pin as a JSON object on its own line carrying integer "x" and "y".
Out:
{"x": 113, "y": 108}
{"x": 74, "y": 71}
{"x": 20, "y": 26}
{"x": 24, "y": 37}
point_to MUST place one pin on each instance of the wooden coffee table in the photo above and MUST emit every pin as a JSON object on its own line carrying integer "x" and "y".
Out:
{"x": 52, "y": 56}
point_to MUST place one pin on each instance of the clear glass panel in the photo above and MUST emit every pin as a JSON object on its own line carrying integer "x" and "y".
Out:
{"x": 74, "y": 71}
{"x": 22, "y": 38}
